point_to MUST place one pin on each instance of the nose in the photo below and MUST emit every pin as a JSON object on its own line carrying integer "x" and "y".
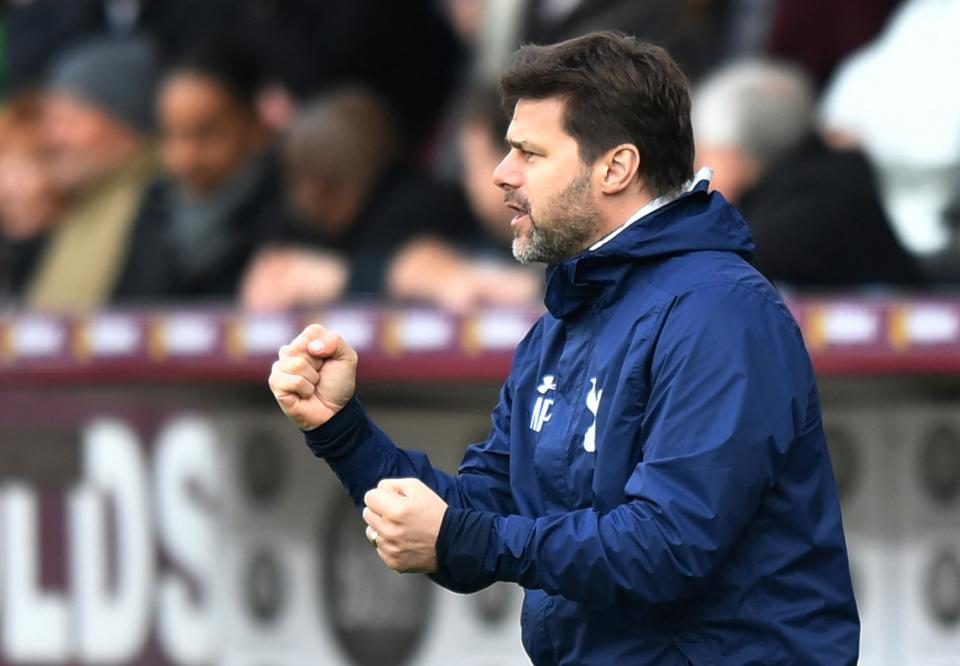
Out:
{"x": 507, "y": 176}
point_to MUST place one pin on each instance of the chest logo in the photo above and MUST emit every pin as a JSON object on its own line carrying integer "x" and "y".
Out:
{"x": 593, "y": 404}
{"x": 541, "y": 409}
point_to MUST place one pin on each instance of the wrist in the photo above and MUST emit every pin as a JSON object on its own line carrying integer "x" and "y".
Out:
{"x": 462, "y": 543}
{"x": 341, "y": 432}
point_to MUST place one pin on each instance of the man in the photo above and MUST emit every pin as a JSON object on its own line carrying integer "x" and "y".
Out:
{"x": 97, "y": 126}
{"x": 356, "y": 203}
{"x": 197, "y": 228}
{"x": 29, "y": 201}
{"x": 657, "y": 477}
{"x": 815, "y": 212}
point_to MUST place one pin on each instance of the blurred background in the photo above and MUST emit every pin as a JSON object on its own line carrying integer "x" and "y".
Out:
{"x": 184, "y": 184}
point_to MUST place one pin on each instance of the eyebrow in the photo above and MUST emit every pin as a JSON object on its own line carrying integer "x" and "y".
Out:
{"x": 522, "y": 145}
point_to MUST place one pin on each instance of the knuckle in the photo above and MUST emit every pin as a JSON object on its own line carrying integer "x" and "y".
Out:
{"x": 391, "y": 532}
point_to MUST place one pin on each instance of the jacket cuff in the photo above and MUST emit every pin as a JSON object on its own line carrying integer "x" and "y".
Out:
{"x": 338, "y": 436}
{"x": 462, "y": 544}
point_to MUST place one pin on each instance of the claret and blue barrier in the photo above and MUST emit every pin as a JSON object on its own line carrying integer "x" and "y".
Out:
{"x": 156, "y": 508}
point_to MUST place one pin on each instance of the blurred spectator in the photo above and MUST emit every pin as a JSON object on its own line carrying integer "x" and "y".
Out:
{"x": 29, "y": 203}
{"x": 197, "y": 229}
{"x": 693, "y": 31}
{"x": 403, "y": 50}
{"x": 943, "y": 267}
{"x": 357, "y": 201}
{"x": 751, "y": 24}
{"x": 465, "y": 17}
{"x": 35, "y": 32}
{"x": 814, "y": 212}
{"x": 97, "y": 123}
{"x": 818, "y": 34}
{"x": 894, "y": 99}
{"x": 479, "y": 269}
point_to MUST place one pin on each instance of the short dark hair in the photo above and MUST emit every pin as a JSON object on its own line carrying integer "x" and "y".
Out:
{"x": 229, "y": 62}
{"x": 617, "y": 89}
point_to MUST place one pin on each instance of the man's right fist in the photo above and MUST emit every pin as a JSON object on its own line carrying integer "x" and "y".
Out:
{"x": 314, "y": 377}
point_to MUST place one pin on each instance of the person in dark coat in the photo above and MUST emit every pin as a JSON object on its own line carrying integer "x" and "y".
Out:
{"x": 198, "y": 226}
{"x": 656, "y": 477}
{"x": 403, "y": 50}
{"x": 815, "y": 212}
{"x": 355, "y": 202}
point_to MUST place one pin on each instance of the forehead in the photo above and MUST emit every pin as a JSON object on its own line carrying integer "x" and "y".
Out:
{"x": 196, "y": 93}
{"x": 538, "y": 120}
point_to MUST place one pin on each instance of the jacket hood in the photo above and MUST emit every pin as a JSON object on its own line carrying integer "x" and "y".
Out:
{"x": 697, "y": 220}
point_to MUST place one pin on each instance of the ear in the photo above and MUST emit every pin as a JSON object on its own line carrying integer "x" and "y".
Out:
{"x": 619, "y": 168}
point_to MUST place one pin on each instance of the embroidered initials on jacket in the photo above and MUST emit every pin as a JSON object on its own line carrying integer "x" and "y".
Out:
{"x": 541, "y": 409}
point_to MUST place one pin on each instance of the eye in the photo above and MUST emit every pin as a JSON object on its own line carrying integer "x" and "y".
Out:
{"x": 527, "y": 155}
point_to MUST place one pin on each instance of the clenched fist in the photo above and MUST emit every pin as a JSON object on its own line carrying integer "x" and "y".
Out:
{"x": 314, "y": 377}
{"x": 403, "y": 519}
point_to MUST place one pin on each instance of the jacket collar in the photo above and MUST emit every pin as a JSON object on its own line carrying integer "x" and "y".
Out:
{"x": 693, "y": 220}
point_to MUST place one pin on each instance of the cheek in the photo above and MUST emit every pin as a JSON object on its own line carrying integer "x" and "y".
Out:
{"x": 545, "y": 180}
{"x": 226, "y": 152}
{"x": 180, "y": 156}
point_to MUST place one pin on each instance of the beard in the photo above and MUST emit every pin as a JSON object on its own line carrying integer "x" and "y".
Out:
{"x": 564, "y": 227}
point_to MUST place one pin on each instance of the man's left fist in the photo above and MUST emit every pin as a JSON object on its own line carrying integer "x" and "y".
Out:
{"x": 404, "y": 516}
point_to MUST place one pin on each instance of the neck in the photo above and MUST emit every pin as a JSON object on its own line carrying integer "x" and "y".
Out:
{"x": 614, "y": 214}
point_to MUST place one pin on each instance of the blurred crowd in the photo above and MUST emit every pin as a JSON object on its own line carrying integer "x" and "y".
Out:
{"x": 277, "y": 154}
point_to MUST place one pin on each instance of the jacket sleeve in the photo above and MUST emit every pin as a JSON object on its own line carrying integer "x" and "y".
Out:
{"x": 361, "y": 455}
{"x": 730, "y": 387}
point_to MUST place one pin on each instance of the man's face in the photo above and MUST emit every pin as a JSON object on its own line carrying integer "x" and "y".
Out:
{"x": 206, "y": 134}
{"x": 545, "y": 181}
{"x": 83, "y": 142}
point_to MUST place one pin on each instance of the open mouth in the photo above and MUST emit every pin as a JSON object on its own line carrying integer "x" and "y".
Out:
{"x": 521, "y": 213}
{"x": 518, "y": 219}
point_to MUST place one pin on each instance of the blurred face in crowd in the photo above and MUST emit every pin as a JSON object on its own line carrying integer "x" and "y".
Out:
{"x": 465, "y": 16}
{"x": 547, "y": 185}
{"x": 326, "y": 203}
{"x": 85, "y": 144}
{"x": 480, "y": 158}
{"x": 207, "y": 134}
{"x": 28, "y": 199}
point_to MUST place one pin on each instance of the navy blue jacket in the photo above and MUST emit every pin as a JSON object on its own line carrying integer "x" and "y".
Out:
{"x": 657, "y": 476}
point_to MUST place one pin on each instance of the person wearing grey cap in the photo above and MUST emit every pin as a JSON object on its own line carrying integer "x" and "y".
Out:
{"x": 97, "y": 124}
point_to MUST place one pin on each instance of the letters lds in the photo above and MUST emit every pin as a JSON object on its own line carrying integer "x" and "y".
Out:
{"x": 95, "y": 622}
